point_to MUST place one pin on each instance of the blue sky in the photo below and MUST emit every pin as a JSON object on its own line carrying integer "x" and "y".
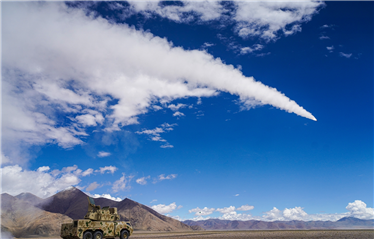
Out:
{"x": 197, "y": 109}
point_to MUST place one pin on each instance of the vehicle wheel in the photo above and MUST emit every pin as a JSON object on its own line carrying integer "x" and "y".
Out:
{"x": 124, "y": 234}
{"x": 98, "y": 235}
{"x": 87, "y": 235}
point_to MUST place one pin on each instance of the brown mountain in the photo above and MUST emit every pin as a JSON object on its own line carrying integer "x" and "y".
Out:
{"x": 22, "y": 219}
{"x": 73, "y": 203}
{"x": 30, "y": 198}
{"x": 344, "y": 223}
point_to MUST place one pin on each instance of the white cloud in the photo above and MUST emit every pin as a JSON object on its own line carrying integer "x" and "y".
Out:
{"x": 255, "y": 47}
{"x": 41, "y": 183}
{"x": 143, "y": 180}
{"x": 4, "y": 159}
{"x": 155, "y": 133}
{"x": 226, "y": 209}
{"x": 345, "y": 55}
{"x": 89, "y": 119}
{"x": 162, "y": 208}
{"x": 245, "y": 208}
{"x": 324, "y": 37}
{"x": 156, "y": 107}
{"x": 169, "y": 177}
{"x": 202, "y": 212}
{"x": 266, "y": 19}
{"x": 107, "y": 196}
{"x": 236, "y": 195}
{"x": 154, "y": 200}
{"x": 252, "y": 18}
{"x": 110, "y": 169}
{"x": 122, "y": 183}
{"x": 87, "y": 172}
{"x": 330, "y": 48}
{"x": 92, "y": 186}
{"x": 165, "y": 146}
{"x": 176, "y": 107}
{"x": 109, "y": 61}
{"x": 178, "y": 114}
{"x": 103, "y": 154}
{"x": 358, "y": 209}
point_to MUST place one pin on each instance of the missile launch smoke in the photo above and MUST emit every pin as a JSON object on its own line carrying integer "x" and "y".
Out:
{"x": 69, "y": 59}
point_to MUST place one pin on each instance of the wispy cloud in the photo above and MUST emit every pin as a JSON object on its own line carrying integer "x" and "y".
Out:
{"x": 255, "y": 47}
{"x": 330, "y": 48}
{"x": 143, "y": 180}
{"x": 324, "y": 37}
{"x": 110, "y": 169}
{"x": 162, "y": 177}
{"x": 122, "y": 183}
{"x": 345, "y": 55}
{"x": 155, "y": 134}
{"x": 103, "y": 154}
{"x": 92, "y": 186}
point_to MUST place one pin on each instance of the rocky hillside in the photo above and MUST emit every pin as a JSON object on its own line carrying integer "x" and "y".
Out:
{"x": 73, "y": 203}
{"x": 22, "y": 219}
{"x": 344, "y": 223}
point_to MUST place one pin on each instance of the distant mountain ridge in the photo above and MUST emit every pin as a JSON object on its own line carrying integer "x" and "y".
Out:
{"x": 344, "y": 223}
{"x": 73, "y": 203}
{"x": 27, "y": 215}
{"x": 22, "y": 219}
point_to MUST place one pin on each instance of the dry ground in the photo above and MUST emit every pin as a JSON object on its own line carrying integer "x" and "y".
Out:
{"x": 292, "y": 234}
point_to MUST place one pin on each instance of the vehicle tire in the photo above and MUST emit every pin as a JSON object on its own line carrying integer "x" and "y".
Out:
{"x": 87, "y": 235}
{"x": 124, "y": 234}
{"x": 98, "y": 235}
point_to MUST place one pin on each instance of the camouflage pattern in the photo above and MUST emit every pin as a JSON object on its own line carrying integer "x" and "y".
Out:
{"x": 107, "y": 214}
{"x": 78, "y": 227}
{"x": 96, "y": 219}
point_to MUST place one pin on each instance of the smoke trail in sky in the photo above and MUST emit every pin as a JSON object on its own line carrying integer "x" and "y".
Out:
{"x": 54, "y": 55}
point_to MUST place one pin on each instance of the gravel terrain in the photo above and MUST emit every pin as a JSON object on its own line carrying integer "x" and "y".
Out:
{"x": 347, "y": 234}
{"x": 293, "y": 234}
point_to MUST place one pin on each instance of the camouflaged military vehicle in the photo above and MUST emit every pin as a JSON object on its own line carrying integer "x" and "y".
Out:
{"x": 97, "y": 224}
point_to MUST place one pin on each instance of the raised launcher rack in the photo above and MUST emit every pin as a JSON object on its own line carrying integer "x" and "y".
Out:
{"x": 95, "y": 213}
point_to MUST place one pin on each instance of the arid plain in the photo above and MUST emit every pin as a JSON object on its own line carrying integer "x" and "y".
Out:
{"x": 256, "y": 234}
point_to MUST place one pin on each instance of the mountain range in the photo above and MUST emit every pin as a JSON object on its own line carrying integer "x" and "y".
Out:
{"x": 343, "y": 223}
{"x": 27, "y": 215}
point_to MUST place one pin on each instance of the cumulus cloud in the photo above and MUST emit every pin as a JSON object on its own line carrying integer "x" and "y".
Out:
{"x": 356, "y": 209}
{"x": 245, "y": 208}
{"x": 95, "y": 72}
{"x": 202, "y": 212}
{"x": 92, "y": 186}
{"x": 110, "y": 169}
{"x": 143, "y": 180}
{"x": 103, "y": 154}
{"x": 162, "y": 208}
{"x": 252, "y": 18}
{"x": 107, "y": 196}
{"x": 122, "y": 183}
{"x": 41, "y": 182}
{"x": 359, "y": 209}
{"x": 176, "y": 107}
